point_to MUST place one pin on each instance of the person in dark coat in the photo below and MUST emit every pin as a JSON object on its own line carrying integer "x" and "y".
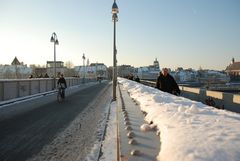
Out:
{"x": 166, "y": 83}
{"x": 137, "y": 79}
{"x": 62, "y": 81}
{"x": 62, "y": 84}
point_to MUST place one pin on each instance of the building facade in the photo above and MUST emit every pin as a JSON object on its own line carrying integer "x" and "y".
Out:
{"x": 59, "y": 68}
{"x": 16, "y": 70}
{"x": 233, "y": 70}
{"x": 92, "y": 71}
{"x": 150, "y": 72}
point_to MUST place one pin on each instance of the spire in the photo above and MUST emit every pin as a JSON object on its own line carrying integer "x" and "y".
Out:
{"x": 15, "y": 61}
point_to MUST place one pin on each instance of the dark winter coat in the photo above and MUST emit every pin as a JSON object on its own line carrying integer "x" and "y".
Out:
{"x": 167, "y": 84}
{"x": 62, "y": 82}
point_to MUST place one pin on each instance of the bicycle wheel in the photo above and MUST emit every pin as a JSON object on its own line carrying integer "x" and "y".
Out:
{"x": 59, "y": 96}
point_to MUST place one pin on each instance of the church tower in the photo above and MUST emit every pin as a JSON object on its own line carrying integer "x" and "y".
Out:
{"x": 156, "y": 64}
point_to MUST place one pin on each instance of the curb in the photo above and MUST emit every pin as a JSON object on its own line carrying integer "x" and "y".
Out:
{"x": 134, "y": 144}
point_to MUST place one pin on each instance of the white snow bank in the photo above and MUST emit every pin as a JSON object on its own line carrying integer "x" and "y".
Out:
{"x": 189, "y": 130}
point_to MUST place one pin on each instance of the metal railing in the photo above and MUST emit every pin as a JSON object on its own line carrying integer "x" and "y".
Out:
{"x": 16, "y": 88}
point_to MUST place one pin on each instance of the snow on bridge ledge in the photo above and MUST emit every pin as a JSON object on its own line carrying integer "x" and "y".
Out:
{"x": 190, "y": 130}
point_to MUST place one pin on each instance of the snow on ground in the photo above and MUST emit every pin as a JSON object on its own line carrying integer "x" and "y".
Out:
{"x": 110, "y": 142}
{"x": 189, "y": 130}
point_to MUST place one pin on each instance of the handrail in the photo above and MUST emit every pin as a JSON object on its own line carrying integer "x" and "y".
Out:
{"x": 16, "y": 88}
{"x": 222, "y": 100}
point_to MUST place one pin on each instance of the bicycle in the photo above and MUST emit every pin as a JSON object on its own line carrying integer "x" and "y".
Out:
{"x": 61, "y": 93}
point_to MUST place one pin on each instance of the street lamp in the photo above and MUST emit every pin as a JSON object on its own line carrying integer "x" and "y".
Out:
{"x": 55, "y": 41}
{"x": 114, "y": 19}
{"x": 83, "y": 57}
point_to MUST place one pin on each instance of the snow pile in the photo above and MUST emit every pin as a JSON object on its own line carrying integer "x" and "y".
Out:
{"x": 189, "y": 130}
{"x": 145, "y": 127}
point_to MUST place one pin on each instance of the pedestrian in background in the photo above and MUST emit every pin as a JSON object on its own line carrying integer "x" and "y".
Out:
{"x": 166, "y": 83}
{"x": 137, "y": 79}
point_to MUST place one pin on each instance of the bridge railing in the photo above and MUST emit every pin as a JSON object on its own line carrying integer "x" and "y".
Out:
{"x": 221, "y": 100}
{"x": 15, "y": 88}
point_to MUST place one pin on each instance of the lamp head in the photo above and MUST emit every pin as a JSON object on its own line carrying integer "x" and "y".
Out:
{"x": 56, "y": 42}
{"x": 52, "y": 39}
{"x": 115, "y": 8}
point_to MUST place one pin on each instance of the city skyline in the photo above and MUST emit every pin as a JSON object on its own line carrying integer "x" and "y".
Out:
{"x": 188, "y": 34}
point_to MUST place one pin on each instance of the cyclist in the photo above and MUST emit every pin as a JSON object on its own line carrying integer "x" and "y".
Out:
{"x": 62, "y": 85}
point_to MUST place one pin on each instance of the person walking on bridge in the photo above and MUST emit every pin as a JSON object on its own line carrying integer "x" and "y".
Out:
{"x": 166, "y": 83}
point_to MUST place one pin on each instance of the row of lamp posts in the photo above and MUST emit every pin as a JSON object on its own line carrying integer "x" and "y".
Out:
{"x": 54, "y": 39}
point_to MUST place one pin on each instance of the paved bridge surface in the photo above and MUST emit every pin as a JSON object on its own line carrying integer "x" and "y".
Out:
{"x": 29, "y": 130}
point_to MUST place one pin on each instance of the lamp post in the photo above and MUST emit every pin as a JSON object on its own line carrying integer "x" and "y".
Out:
{"x": 83, "y": 57}
{"x": 114, "y": 19}
{"x": 54, "y": 39}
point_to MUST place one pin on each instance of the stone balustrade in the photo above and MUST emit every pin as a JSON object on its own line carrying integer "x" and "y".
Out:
{"x": 15, "y": 88}
{"x": 222, "y": 100}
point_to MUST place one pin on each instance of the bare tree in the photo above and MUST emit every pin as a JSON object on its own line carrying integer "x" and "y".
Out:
{"x": 69, "y": 64}
{"x": 8, "y": 74}
{"x": 69, "y": 71}
{"x": 17, "y": 72}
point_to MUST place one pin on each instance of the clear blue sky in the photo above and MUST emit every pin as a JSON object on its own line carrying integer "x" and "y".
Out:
{"x": 179, "y": 33}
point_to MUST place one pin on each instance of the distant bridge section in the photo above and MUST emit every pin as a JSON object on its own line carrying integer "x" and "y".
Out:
{"x": 16, "y": 88}
{"x": 221, "y": 100}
